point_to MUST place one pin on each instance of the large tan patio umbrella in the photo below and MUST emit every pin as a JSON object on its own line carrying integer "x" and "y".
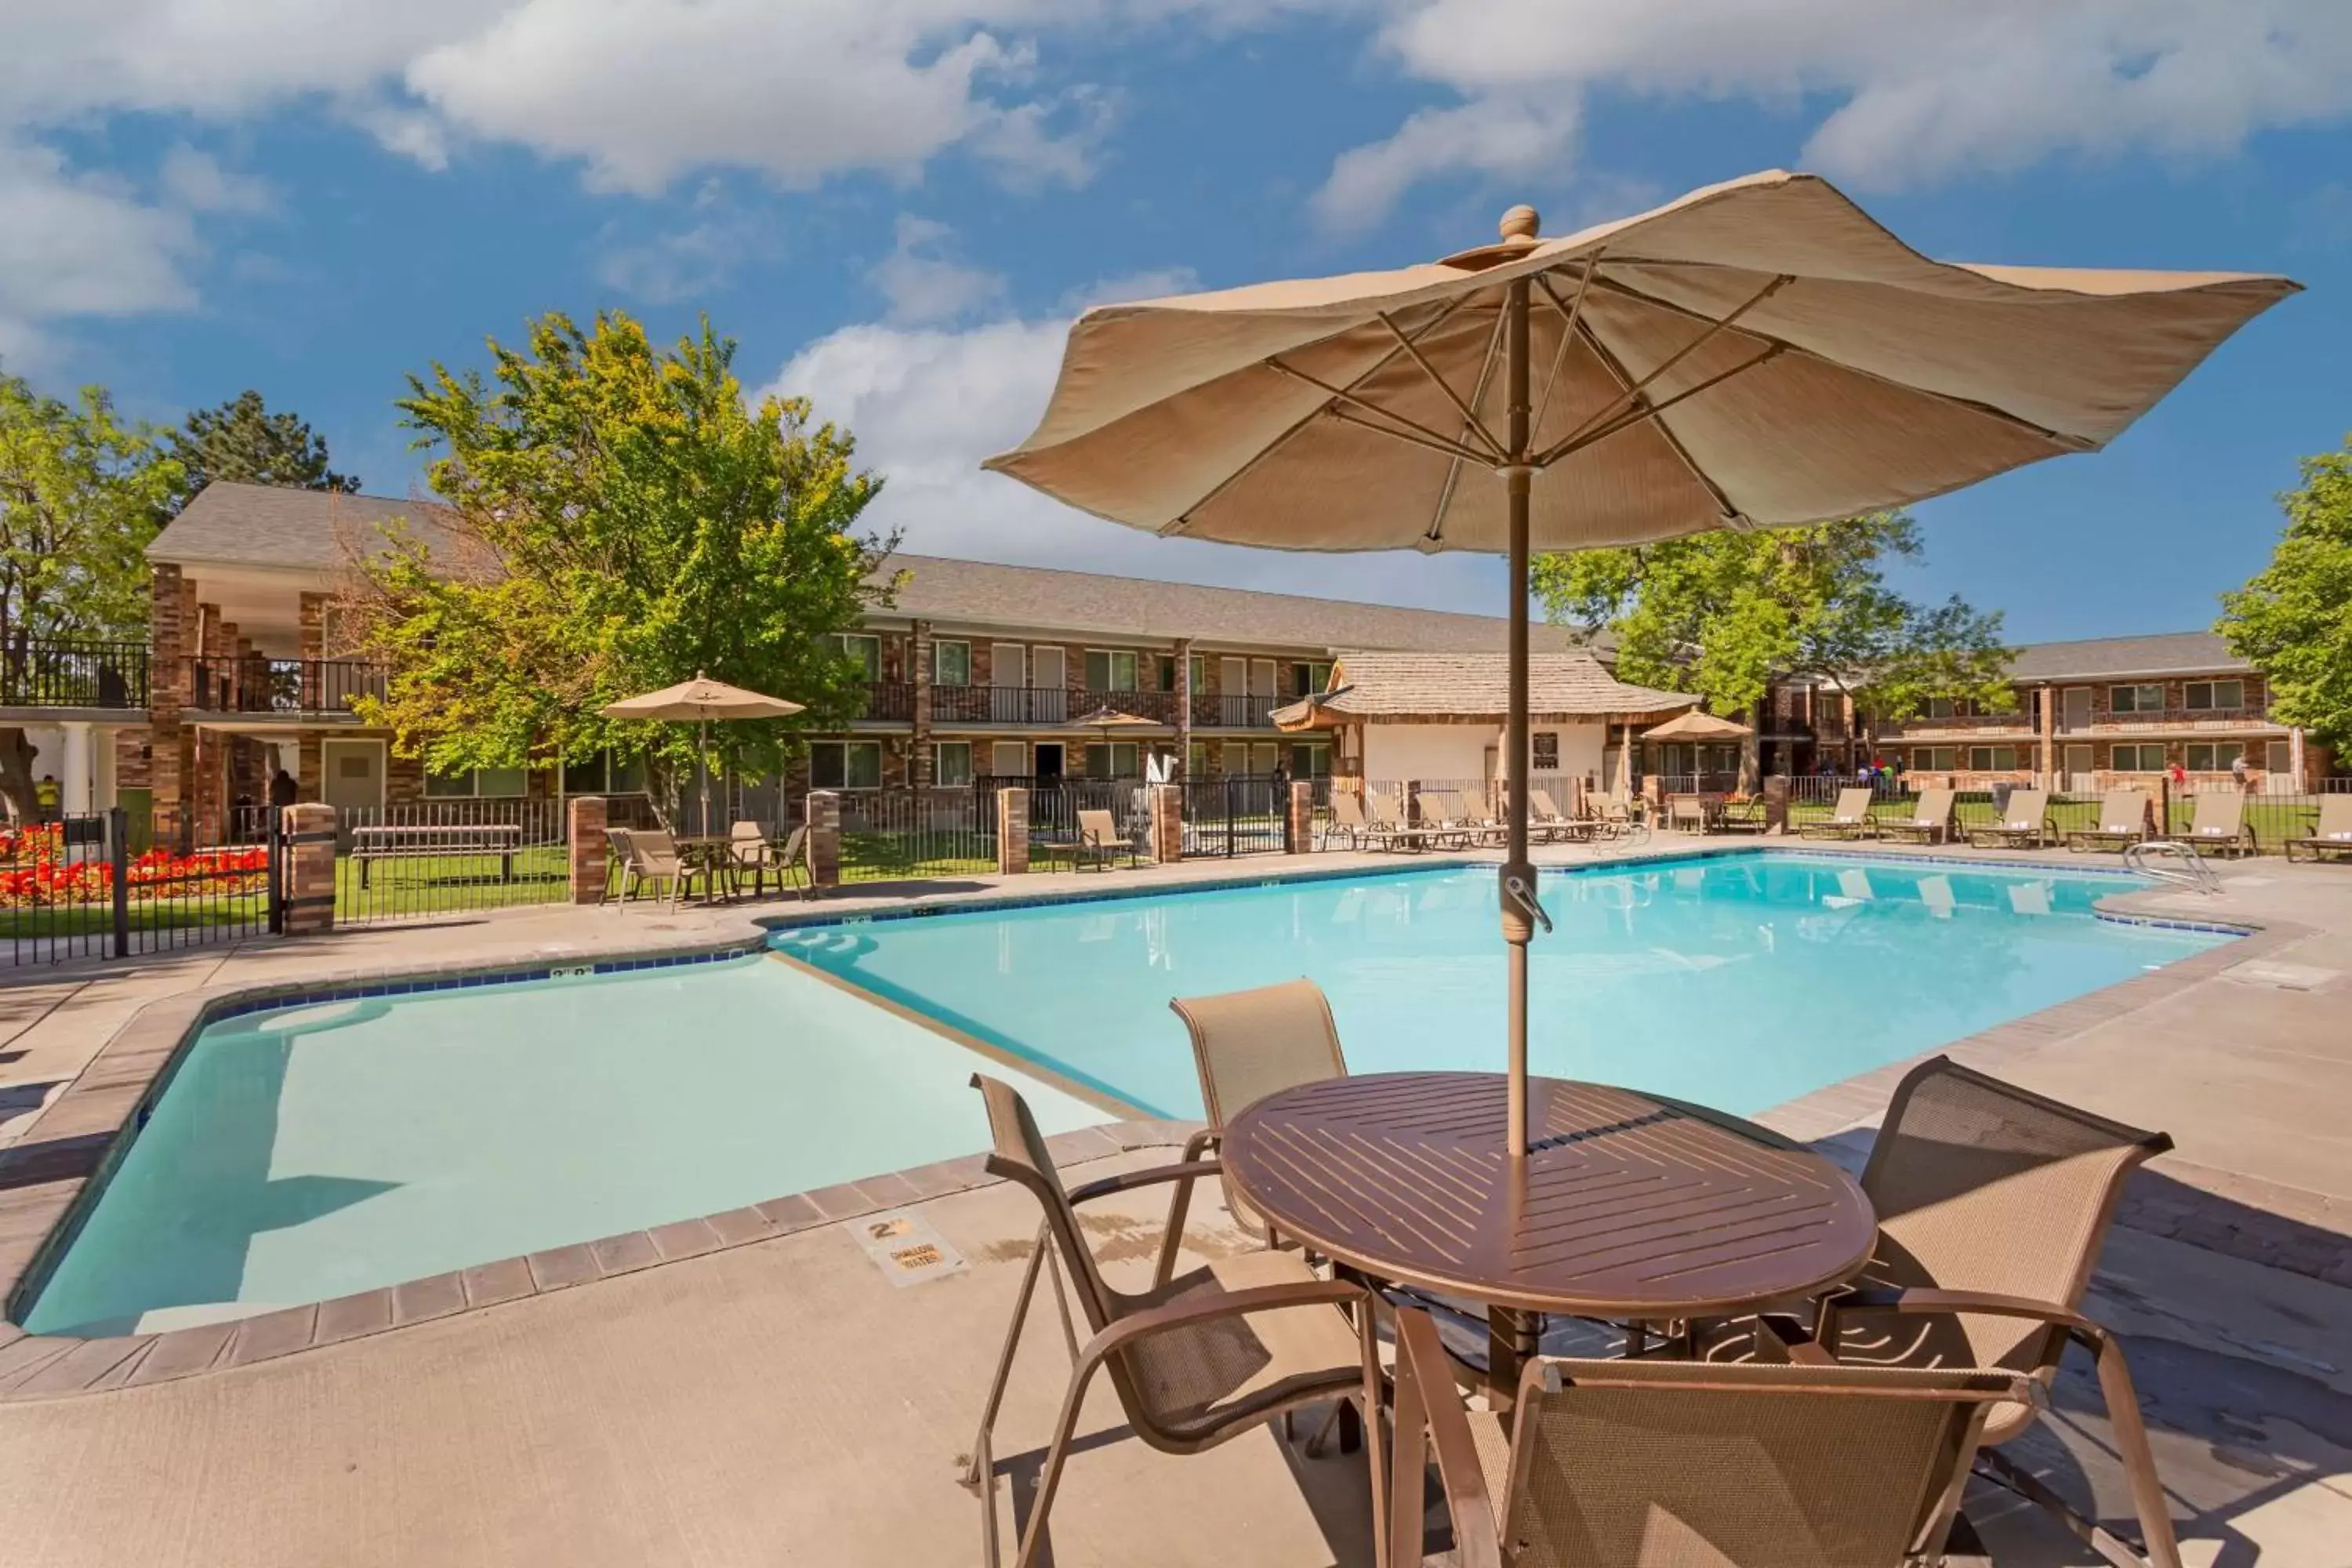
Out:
{"x": 1756, "y": 355}
{"x": 1105, "y": 719}
{"x": 700, "y": 701}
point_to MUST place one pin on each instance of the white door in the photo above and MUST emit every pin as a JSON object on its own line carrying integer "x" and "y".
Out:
{"x": 1048, "y": 672}
{"x": 2079, "y": 770}
{"x": 1233, "y": 691}
{"x": 354, "y": 771}
{"x": 2076, "y": 713}
{"x": 1008, "y": 664}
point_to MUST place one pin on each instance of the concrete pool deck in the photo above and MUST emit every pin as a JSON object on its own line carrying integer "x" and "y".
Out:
{"x": 779, "y": 1400}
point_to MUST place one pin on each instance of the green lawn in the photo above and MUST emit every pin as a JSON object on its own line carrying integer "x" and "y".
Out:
{"x": 887, "y": 857}
{"x": 39, "y": 922}
{"x": 450, "y": 884}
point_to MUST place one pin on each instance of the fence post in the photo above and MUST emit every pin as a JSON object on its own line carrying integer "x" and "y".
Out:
{"x": 309, "y": 832}
{"x": 585, "y": 835}
{"x": 117, "y": 852}
{"x": 1299, "y": 821}
{"x": 1167, "y": 823}
{"x": 1776, "y": 804}
{"x": 825, "y": 838}
{"x": 1012, "y": 832}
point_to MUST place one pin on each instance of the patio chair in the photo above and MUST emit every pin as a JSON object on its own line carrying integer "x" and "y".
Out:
{"x": 1544, "y": 817}
{"x": 1931, "y": 822}
{"x": 2218, "y": 824}
{"x": 1351, "y": 821}
{"x": 616, "y": 847}
{"x": 1740, "y": 814}
{"x": 2126, "y": 816}
{"x": 1992, "y": 1203}
{"x": 1195, "y": 1360}
{"x": 1099, "y": 841}
{"x": 2027, "y": 824}
{"x": 1688, "y": 813}
{"x": 751, "y": 850}
{"x": 1852, "y": 818}
{"x": 2331, "y": 835}
{"x": 1643, "y": 1464}
{"x": 652, "y": 856}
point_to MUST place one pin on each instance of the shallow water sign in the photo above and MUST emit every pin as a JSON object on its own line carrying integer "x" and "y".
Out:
{"x": 906, "y": 1249}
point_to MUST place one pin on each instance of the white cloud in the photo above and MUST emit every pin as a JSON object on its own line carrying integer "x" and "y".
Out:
{"x": 75, "y": 244}
{"x": 1922, "y": 93}
{"x": 196, "y": 182}
{"x": 923, "y": 281}
{"x": 1156, "y": 284}
{"x": 927, "y": 404}
{"x": 696, "y": 259}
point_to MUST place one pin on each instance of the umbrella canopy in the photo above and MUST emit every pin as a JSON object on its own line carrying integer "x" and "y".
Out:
{"x": 1697, "y": 726}
{"x": 1756, "y": 353}
{"x": 1108, "y": 719}
{"x": 699, "y": 701}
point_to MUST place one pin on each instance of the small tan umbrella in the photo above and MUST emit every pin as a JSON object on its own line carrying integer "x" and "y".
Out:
{"x": 1105, "y": 719}
{"x": 1700, "y": 727}
{"x": 1759, "y": 353}
{"x": 702, "y": 700}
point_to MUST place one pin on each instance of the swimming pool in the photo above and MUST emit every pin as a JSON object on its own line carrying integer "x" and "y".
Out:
{"x": 306, "y": 1152}
{"x": 1740, "y": 981}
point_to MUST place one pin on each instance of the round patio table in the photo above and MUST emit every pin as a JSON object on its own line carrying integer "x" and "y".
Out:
{"x": 1629, "y": 1206}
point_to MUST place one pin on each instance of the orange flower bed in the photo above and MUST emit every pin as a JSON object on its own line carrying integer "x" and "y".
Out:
{"x": 32, "y": 871}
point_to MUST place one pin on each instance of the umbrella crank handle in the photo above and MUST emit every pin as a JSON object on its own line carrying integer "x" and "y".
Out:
{"x": 1525, "y": 897}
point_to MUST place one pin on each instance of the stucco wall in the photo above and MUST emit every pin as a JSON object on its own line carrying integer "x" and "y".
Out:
{"x": 1396, "y": 752}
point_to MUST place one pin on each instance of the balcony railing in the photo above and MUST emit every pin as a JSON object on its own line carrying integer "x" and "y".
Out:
{"x": 73, "y": 674}
{"x": 2170, "y": 719}
{"x": 1234, "y": 710}
{"x": 890, "y": 700}
{"x": 1160, "y": 707}
{"x": 1001, "y": 705}
{"x": 287, "y": 686}
{"x": 2020, "y": 721}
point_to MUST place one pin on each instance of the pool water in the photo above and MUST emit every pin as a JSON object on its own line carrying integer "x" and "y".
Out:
{"x": 1739, "y": 981}
{"x": 311, "y": 1152}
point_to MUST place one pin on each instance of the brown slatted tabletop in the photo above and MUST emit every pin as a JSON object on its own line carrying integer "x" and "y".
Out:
{"x": 1629, "y": 1206}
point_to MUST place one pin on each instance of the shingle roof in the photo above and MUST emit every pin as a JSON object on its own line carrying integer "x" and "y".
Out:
{"x": 2166, "y": 653}
{"x": 1406, "y": 686}
{"x": 265, "y": 525}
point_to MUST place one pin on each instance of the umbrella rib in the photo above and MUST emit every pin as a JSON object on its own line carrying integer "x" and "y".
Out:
{"x": 1437, "y": 443}
{"x": 1574, "y": 312}
{"x": 1471, "y": 421}
{"x": 1422, "y": 434}
{"x": 1645, "y": 409}
{"x": 1991, "y": 411}
{"x": 1617, "y": 372}
{"x": 1632, "y": 396}
{"x": 1445, "y": 494}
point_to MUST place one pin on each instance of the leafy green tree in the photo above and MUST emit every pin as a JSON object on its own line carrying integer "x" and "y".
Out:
{"x": 242, "y": 440}
{"x": 81, "y": 492}
{"x": 2294, "y": 618}
{"x": 1722, "y": 615}
{"x": 617, "y": 520}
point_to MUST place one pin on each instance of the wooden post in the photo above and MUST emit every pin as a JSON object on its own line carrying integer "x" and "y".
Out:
{"x": 825, "y": 838}
{"x": 585, "y": 832}
{"x": 1299, "y": 821}
{"x": 1012, "y": 832}
{"x": 310, "y": 869}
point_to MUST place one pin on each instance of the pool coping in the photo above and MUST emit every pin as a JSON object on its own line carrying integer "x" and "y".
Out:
{"x": 84, "y": 1132}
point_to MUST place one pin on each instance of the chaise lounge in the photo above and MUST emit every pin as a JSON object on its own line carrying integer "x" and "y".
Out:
{"x": 1931, "y": 821}
{"x": 2126, "y": 816}
{"x": 2332, "y": 836}
{"x": 1852, "y": 818}
{"x": 2025, "y": 825}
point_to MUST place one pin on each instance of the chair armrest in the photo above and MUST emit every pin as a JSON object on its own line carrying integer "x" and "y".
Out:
{"x": 1128, "y": 1180}
{"x": 1123, "y": 1331}
{"x": 1981, "y": 1303}
{"x": 1428, "y": 1405}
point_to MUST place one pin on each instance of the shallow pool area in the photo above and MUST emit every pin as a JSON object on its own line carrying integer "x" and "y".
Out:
{"x": 307, "y": 1153}
{"x": 1740, "y": 981}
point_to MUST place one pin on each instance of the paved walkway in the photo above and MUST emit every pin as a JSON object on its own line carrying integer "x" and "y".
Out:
{"x": 782, "y": 1402}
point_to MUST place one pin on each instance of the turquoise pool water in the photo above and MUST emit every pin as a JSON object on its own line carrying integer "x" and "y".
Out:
{"x": 1739, "y": 981}
{"x": 307, "y": 1153}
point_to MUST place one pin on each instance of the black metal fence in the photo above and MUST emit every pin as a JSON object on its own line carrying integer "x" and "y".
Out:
{"x": 102, "y": 885}
{"x": 74, "y": 674}
{"x": 1241, "y": 813}
{"x": 433, "y": 859}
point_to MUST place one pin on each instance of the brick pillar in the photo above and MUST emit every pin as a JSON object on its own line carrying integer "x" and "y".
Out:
{"x": 1776, "y": 804}
{"x": 311, "y": 646}
{"x": 919, "y": 770}
{"x": 310, "y": 765}
{"x": 585, "y": 828}
{"x": 1012, "y": 832}
{"x": 1299, "y": 822}
{"x": 167, "y": 686}
{"x": 310, "y": 869}
{"x": 1167, "y": 823}
{"x": 1183, "y": 769}
{"x": 825, "y": 838}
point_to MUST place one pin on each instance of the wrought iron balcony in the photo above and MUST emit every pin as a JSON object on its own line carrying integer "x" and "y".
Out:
{"x": 74, "y": 674}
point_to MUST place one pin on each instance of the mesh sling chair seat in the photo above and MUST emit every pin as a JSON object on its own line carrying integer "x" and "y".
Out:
{"x": 2126, "y": 816}
{"x": 1194, "y": 1359}
{"x": 1852, "y": 818}
{"x": 2330, "y": 835}
{"x": 1930, "y": 823}
{"x": 2218, "y": 824}
{"x": 2027, "y": 824}
{"x": 1652, "y": 1464}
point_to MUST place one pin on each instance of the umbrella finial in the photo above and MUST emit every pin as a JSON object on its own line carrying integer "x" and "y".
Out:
{"x": 1522, "y": 222}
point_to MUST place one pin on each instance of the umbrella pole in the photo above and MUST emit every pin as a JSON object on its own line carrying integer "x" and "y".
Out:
{"x": 702, "y": 766}
{"x": 1518, "y": 877}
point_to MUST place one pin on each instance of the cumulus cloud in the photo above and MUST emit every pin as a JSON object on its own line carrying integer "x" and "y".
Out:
{"x": 81, "y": 244}
{"x": 928, "y": 404}
{"x": 196, "y": 181}
{"x": 922, "y": 279}
{"x": 1921, "y": 92}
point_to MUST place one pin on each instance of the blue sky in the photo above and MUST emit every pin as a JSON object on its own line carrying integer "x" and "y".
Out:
{"x": 896, "y": 204}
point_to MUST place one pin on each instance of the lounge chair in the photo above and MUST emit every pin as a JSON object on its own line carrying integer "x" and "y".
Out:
{"x": 1210, "y": 1355}
{"x": 1852, "y": 818}
{"x": 2218, "y": 824}
{"x": 1544, "y": 819}
{"x": 2026, "y": 825}
{"x": 2332, "y": 836}
{"x": 1739, "y": 814}
{"x": 2126, "y": 816}
{"x": 652, "y": 856}
{"x": 1688, "y": 813}
{"x": 1444, "y": 818}
{"x": 1616, "y": 1464}
{"x": 1347, "y": 822}
{"x": 1385, "y": 825}
{"x": 1992, "y": 1202}
{"x": 1931, "y": 822}
{"x": 1099, "y": 841}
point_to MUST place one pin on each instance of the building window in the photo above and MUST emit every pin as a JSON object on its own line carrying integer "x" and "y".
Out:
{"x": 604, "y": 774}
{"x": 865, "y": 649}
{"x": 449, "y": 786}
{"x": 479, "y": 782}
{"x": 1196, "y": 759}
{"x": 2136, "y": 759}
{"x": 951, "y": 664}
{"x": 1008, "y": 758}
{"x": 2212, "y": 756}
{"x": 1935, "y": 759}
{"x": 845, "y": 765}
{"x": 1306, "y": 680}
{"x": 951, "y": 763}
{"x": 1165, "y": 665}
{"x": 1264, "y": 757}
{"x": 1118, "y": 760}
{"x": 1993, "y": 758}
{"x": 1312, "y": 758}
{"x": 2148, "y": 699}
{"x": 1544, "y": 751}
{"x": 1942, "y": 708}
{"x": 2203, "y": 696}
{"x": 1110, "y": 669}
{"x": 1200, "y": 674}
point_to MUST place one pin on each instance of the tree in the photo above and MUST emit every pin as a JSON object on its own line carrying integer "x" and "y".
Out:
{"x": 617, "y": 520}
{"x": 1724, "y": 614}
{"x": 241, "y": 440}
{"x": 81, "y": 493}
{"x": 2294, "y": 619}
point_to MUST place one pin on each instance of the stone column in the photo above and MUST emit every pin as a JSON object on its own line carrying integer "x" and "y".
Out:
{"x": 1167, "y": 823}
{"x": 1299, "y": 822}
{"x": 2295, "y": 756}
{"x": 310, "y": 869}
{"x": 825, "y": 838}
{"x": 78, "y": 788}
{"x": 920, "y": 770}
{"x": 2047, "y": 723}
{"x": 1012, "y": 832}
{"x": 167, "y": 685}
{"x": 584, "y": 830}
{"x": 1183, "y": 769}
{"x": 1776, "y": 804}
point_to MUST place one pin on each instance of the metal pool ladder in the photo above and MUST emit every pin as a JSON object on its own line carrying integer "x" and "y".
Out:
{"x": 2173, "y": 863}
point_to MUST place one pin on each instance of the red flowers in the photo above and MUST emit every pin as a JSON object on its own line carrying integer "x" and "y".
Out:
{"x": 34, "y": 872}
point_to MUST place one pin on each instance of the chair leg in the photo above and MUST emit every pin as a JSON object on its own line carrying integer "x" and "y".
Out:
{"x": 1033, "y": 1540}
{"x": 974, "y": 1473}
